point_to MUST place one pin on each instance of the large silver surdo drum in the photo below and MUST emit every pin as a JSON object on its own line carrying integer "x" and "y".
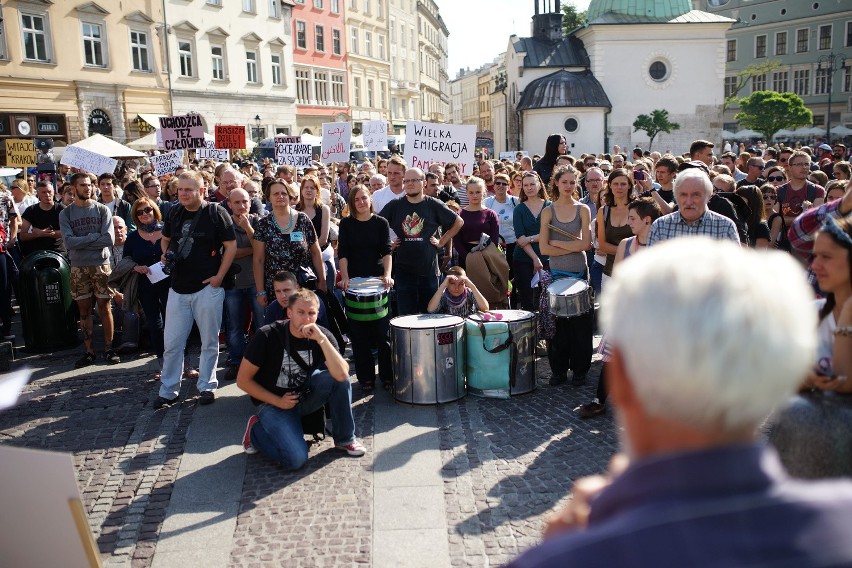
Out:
{"x": 507, "y": 372}
{"x": 428, "y": 358}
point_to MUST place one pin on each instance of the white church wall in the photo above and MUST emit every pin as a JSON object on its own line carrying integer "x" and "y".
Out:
{"x": 538, "y": 124}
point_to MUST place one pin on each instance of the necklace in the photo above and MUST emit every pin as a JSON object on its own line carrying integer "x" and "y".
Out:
{"x": 289, "y": 226}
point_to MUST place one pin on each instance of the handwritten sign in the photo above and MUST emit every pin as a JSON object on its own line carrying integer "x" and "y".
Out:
{"x": 20, "y": 153}
{"x": 230, "y": 137}
{"x": 376, "y": 135}
{"x": 165, "y": 164}
{"x": 181, "y": 132}
{"x": 209, "y": 152}
{"x": 88, "y": 161}
{"x": 336, "y": 137}
{"x": 427, "y": 143}
{"x": 289, "y": 151}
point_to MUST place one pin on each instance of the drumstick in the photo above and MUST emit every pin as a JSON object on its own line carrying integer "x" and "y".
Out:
{"x": 563, "y": 233}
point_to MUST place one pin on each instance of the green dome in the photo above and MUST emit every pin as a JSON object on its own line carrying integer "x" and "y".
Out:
{"x": 641, "y": 8}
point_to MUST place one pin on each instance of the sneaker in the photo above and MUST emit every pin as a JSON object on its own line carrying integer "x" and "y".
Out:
{"x": 354, "y": 448}
{"x": 247, "y": 447}
{"x": 231, "y": 373}
{"x": 112, "y": 357}
{"x": 162, "y": 402}
{"x": 207, "y": 397}
{"x": 556, "y": 380}
{"x": 591, "y": 410}
{"x": 86, "y": 360}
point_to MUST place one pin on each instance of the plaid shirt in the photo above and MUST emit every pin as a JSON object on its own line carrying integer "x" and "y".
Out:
{"x": 803, "y": 230}
{"x": 710, "y": 224}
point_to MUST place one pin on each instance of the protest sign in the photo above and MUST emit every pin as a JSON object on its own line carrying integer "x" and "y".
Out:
{"x": 20, "y": 153}
{"x": 376, "y": 135}
{"x": 289, "y": 151}
{"x": 166, "y": 163}
{"x": 230, "y": 137}
{"x": 181, "y": 132}
{"x": 209, "y": 152}
{"x": 88, "y": 161}
{"x": 427, "y": 143}
{"x": 336, "y": 138}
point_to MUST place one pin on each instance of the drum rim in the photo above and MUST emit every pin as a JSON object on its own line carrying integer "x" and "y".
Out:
{"x": 435, "y": 317}
{"x": 570, "y": 282}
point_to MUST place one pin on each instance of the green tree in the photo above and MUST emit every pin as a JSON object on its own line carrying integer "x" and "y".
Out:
{"x": 654, "y": 123}
{"x": 746, "y": 75}
{"x": 768, "y": 112}
{"x": 572, "y": 18}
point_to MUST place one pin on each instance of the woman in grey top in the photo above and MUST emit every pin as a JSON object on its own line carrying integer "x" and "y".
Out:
{"x": 566, "y": 236}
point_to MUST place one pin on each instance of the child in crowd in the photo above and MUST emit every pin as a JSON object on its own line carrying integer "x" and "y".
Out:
{"x": 457, "y": 295}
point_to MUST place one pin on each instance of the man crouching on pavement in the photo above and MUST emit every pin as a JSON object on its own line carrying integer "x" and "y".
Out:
{"x": 292, "y": 368}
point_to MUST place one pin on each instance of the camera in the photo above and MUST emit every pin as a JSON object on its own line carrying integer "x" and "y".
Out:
{"x": 171, "y": 260}
{"x": 638, "y": 174}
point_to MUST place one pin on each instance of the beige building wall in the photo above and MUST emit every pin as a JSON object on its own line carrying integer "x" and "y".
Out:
{"x": 74, "y": 61}
{"x": 368, "y": 61}
{"x": 405, "y": 70}
{"x": 432, "y": 39}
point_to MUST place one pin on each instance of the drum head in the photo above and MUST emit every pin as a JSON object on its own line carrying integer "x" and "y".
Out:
{"x": 504, "y": 315}
{"x": 365, "y": 286}
{"x": 426, "y": 321}
{"x": 568, "y": 287}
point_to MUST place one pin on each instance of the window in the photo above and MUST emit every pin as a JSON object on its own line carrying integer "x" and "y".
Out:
{"x": 274, "y": 9}
{"x": 93, "y": 45}
{"x": 214, "y": 2}
{"x": 368, "y": 44}
{"x": 301, "y": 35}
{"x": 337, "y": 90}
{"x": 321, "y": 87}
{"x": 779, "y": 81}
{"x": 730, "y": 86}
{"x": 847, "y": 79}
{"x": 370, "y": 97}
{"x": 139, "y": 51}
{"x": 382, "y": 55}
{"x": 402, "y": 35}
{"x": 353, "y": 41}
{"x": 335, "y": 6}
{"x": 825, "y": 37}
{"x": 303, "y": 86}
{"x": 658, "y": 71}
{"x": 821, "y": 81}
{"x": 34, "y": 32}
{"x": 392, "y": 28}
{"x": 318, "y": 4}
{"x": 781, "y": 43}
{"x": 758, "y": 83}
{"x": 760, "y": 46}
{"x": 251, "y": 66}
{"x": 319, "y": 37}
{"x": 367, "y": 7}
{"x": 383, "y": 87}
{"x": 217, "y": 60}
{"x": 356, "y": 90}
{"x": 802, "y": 40}
{"x": 848, "y": 34}
{"x": 380, "y": 9}
{"x": 732, "y": 50}
{"x": 801, "y": 81}
{"x": 248, "y": 6}
{"x": 335, "y": 42}
{"x": 185, "y": 58}
{"x": 276, "y": 69}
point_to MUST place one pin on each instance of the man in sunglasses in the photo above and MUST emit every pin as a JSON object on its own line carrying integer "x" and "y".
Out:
{"x": 754, "y": 170}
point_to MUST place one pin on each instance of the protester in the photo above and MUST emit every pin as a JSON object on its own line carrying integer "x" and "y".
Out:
{"x": 478, "y": 220}
{"x": 40, "y": 223}
{"x": 528, "y": 259}
{"x": 612, "y": 225}
{"x": 554, "y": 147}
{"x": 457, "y": 296}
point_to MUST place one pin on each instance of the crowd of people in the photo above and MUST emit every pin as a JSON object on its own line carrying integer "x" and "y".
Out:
{"x": 264, "y": 255}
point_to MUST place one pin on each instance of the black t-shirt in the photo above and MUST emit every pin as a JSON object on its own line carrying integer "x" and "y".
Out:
{"x": 363, "y": 244}
{"x": 667, "y": 195}
{"x": 279, "y": 372}
{"x": 41, "y": 219}
{"x": 202, "y": 255}
{"x": 414, "y": 224}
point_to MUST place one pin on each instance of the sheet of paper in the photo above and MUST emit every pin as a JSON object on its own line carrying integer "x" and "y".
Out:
{"x": 535, "y": 279}
{"x": 11, "y": 386}
{"x": 156, "y": 273}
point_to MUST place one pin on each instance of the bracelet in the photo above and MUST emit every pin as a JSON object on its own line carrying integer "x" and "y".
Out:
{"x": 259, "y": 294}
{"x": 321, "y": 342}
{"x": 844, "y": 331}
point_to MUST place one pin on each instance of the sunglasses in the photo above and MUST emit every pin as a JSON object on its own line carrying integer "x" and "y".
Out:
{"x": 769, "y": 196}
{"x": 146, "y": 210}
{"x": 775, "y": 178}
{"x": 501, "y": 183}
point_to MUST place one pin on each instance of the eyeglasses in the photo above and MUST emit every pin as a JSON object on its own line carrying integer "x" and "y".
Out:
{"x": 146, "y": 210}
{"x": 153, "y": 185}
{"x": 412, "y": 180}
{"x": 503, "y": 183}
{"x": 775, "y": 178}
{"x": 769, "y": 196}
{"x": 783, "y": 160}
{"x": 806, "y": 164}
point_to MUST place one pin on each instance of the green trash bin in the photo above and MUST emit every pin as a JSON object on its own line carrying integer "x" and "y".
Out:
{"x": 47, "y": 310}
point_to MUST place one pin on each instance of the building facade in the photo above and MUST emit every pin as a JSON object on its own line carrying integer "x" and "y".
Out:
{"x": 368, "y": 61}
{"x": 405, "y": 64}
{"x": 432, "y": 46}
{"x": 71, "y": 69}
{"x": 805, "y": 44}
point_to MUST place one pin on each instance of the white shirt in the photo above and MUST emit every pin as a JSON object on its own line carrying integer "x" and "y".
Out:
{"x": 505, "y": 212}
{"x": 384, "y": 196}
{"x": 825, "y": 337}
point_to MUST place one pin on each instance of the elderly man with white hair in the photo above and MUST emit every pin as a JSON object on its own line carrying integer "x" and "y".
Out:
{"x": 692, "y": 189}
{"x": 695, "y": 487}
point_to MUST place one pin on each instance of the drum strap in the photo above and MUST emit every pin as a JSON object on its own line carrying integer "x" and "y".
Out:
{"x": 508, "y": 344}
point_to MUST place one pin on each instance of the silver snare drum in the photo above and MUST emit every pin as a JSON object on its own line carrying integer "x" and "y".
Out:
{"x": 569, "y": 297}
{"x": 428, "y": 358}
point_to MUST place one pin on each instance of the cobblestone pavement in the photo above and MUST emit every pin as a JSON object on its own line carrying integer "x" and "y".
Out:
{"x": 506, "y": 464}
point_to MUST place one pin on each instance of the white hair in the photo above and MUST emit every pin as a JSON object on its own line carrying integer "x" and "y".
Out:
{"x": 381, "y": 178}
{"x": 694, "y": 174}
{"x": 704, "y": 339}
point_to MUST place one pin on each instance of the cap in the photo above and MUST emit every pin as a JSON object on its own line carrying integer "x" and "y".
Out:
{"x": 825, "y": 147}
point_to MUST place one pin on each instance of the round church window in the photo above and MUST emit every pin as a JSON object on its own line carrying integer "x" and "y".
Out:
{"x": 571, "y": 125}
{"x": 658, "y": 71}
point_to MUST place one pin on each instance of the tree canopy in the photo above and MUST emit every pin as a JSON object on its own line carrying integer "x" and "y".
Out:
{"x": 572, "y": 18}
{"x": 654, "y": 123}
{"x": 769, "y": 111}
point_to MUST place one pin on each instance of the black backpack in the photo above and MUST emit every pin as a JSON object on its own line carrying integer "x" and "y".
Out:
{"x": 735, "y": 208}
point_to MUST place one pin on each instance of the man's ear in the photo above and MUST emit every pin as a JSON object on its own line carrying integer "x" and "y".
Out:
{"x": 620, "y": 388}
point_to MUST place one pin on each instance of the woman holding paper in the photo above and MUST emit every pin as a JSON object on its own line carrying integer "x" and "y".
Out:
{"x": 143, "y": 246}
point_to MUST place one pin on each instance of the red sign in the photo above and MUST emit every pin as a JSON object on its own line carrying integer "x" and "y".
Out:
{"x": 230, "y": 137}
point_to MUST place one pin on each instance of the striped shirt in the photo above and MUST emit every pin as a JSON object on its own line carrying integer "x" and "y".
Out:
{"x": 710, "y": 224}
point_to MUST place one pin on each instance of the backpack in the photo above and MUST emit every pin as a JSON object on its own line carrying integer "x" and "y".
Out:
{"x": 810, "y": 190}
{"x": 739, "y": 214}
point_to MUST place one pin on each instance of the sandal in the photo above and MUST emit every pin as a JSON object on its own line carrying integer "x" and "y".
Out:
{"x": 191, "y": 374}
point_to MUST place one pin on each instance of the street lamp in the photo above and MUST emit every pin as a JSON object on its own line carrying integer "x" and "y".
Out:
{"x": 831, "y": 63}
{"x": 257, "y": 127}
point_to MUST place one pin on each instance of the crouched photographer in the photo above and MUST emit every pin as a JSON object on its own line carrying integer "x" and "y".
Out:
{"x": 291, "y": 368}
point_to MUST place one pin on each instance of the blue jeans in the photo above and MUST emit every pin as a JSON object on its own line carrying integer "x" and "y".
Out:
{"x": 205, "y": 308}
{"x": 278, "y": 434}
{"x": 413, "y": 292}
{"x": 235, "y": 321}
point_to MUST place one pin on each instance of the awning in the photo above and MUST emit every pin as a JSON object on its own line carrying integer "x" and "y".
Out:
{"x": 152, "y": 119}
